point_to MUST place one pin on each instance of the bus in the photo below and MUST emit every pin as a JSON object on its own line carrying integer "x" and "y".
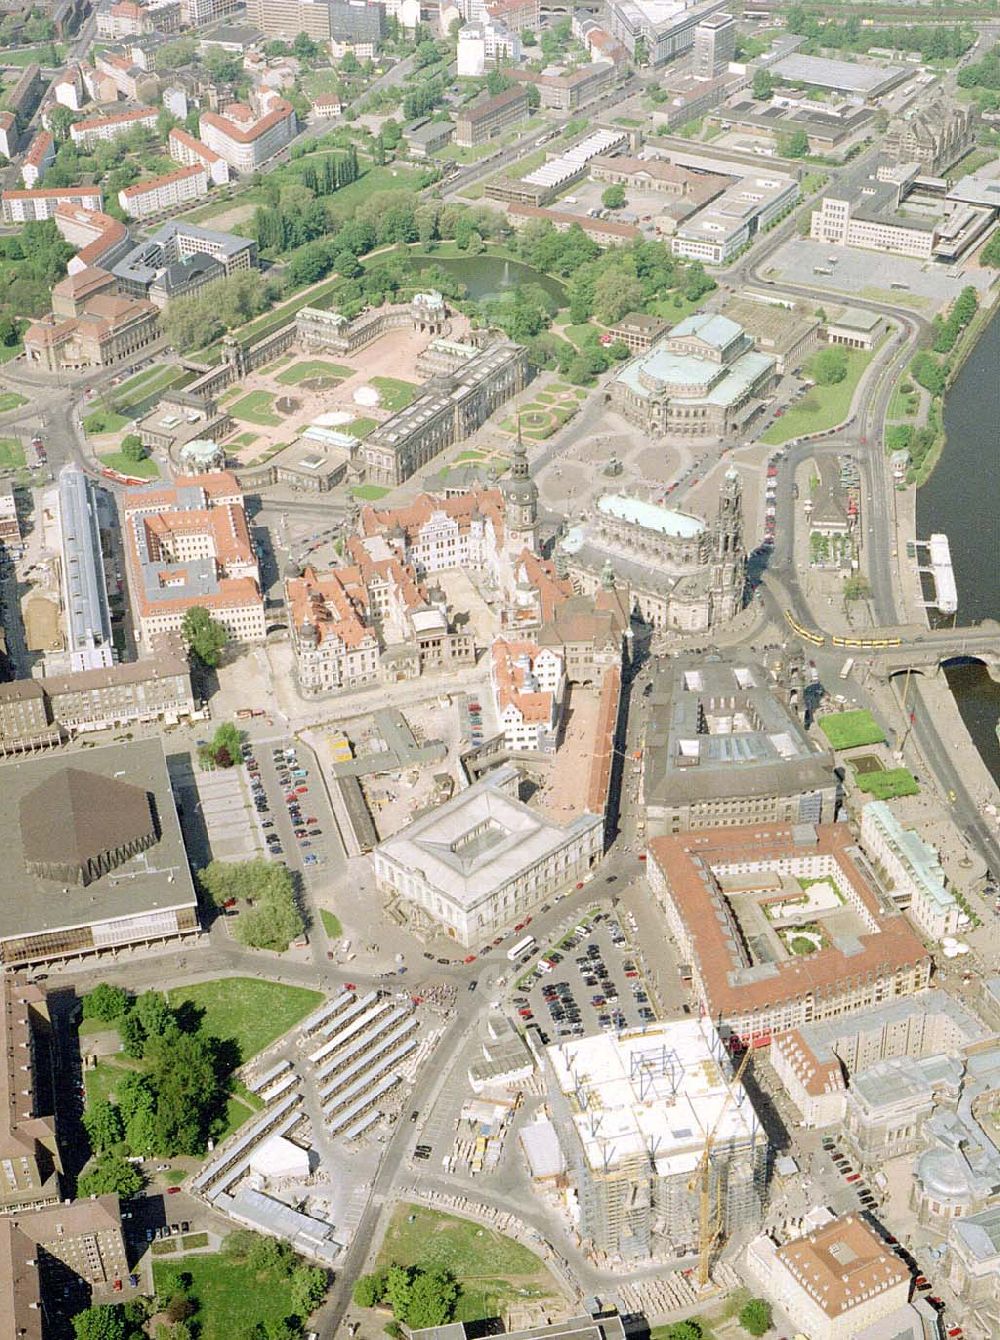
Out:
{"x": 847, "y": 667}
{"x": 517, "y": 950}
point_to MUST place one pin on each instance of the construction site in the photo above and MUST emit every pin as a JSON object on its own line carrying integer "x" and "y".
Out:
{"x": 665, "y": 1155}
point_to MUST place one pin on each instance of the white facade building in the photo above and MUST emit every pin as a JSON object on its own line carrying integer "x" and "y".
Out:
{"x": 480, "y": 861}
{"x": 243, "y": 140}
{"x": 185, "y": 148}
{"x": 528, "y": 683}
{"x": 170, "y": 191}
{"x": 913, "y": 868}
{"x": 85, "y": 134}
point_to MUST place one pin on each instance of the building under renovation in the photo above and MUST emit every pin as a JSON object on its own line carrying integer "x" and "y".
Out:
{"x": 634, "y": 1112}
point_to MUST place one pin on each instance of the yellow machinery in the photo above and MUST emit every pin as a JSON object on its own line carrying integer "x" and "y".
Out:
{"x": 709, "y": 1216}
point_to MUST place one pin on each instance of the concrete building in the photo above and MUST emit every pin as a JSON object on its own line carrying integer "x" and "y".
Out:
{"x": 714, "y": 45}
{"x": 639, "y": 332}
{"x": 94, "y": 130}
{"x": 835, "y": 1282}
{"x": 911, "y": 871}
{"x": 666, "y": 28}
{"x": 101, "y": 239}
{"x": 189, "y": 545}
{"x": 863, "y": 80}
{"x": 180, "y": 258}
{"x": 37, "y": 713}
{"x": 90, "y": 325}
{"x": 632, "y": 1111}
{"x": 11, "y": 539}
{"x": 94, "y": 855}
{"x": 483, "y": 858}
{"x": 603, "y": 1324}
{"x": 159, "y": 194}
{"x": 704, "y": 379}
{"x": 41, "y": 203}
{"x": 570, "y": 92}
{"x": 733, "y": 219}
{"x": 488, "y": 117}
{"x": 84, "y": 1238}
{"x": 84, "y": 584}
{"x": 245, "y": 140}
{"x": 8, "y": 134}
{"x": 715, "y": 885}
{"x": 676, "y": 570}
{"x": 425, "y": 137}
{"x": 726, "y": 746}
{"x": 815, "y": 1062}
{"x": 351, "y": 24}
{"x": 855, "y": 328}
{"x": 30, "y": 1163}
{"x": 528, "y": 683}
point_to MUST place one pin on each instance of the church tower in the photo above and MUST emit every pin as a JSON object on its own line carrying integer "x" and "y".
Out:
{"x": 520, "y": 495}
{"x": 729, "y": 556}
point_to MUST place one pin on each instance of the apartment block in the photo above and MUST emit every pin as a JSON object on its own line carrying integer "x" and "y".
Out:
{"x": 244, "y": 140}
{"x": 42, "y": 202}
{"x": 568, "y": 92}
{"x": 30, "y": 1164}
{"x": 101, "y": 239}
{"x": 488, "y": 117}
{"x": 189, "y": 151}
{"x": 85, "y": 134}
{"x": 911, "y": 871}
{"x": 39, "y": 158}
{"x": 159, "y": 194}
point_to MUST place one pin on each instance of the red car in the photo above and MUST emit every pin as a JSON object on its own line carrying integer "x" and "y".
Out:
{"x": 312, "y": 820}
{"x": 642, "y": 856}
{"x": 230, "y": 902}
{"x": 525, "y": 1013}
{"x": 172, "y": 1190}
{"x": 955, "y": 1332}
{"x": 520, "y": 925}
{"x": 301, "y": 790}
{"x": 853, "y": 1177}
{"x": 469, "y": 958}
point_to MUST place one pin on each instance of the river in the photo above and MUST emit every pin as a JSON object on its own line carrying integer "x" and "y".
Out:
{"x": 962, "y": 498}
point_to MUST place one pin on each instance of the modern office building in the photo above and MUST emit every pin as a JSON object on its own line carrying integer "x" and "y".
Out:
{"x": 632, "y": 1111}
{"x": 677, "y": 570}
{"x": 169, "y": 191}
{"x": 245, "y": 140}
{"x": 349, "y": 23}
{"x": 180, "y": 258}
{"x": 190, "y": 545}
{"x": 84, "y": 582}
{"x": 569, "y": 92}
{"x": 836, "y": 1282}
{"x": 766, "y": 954}
{"x": 38, "y": 713}
{"x": 815, "y": 1062}
{"x": 911, "y": 872}
{"x": 30, "y": 1163}
{"x": 733, "y": 219}
{"x": 483, "y": 858}
{"x": 714, "y": 45}
{"x": 664, "y": 27}
{"x": 94, "y": 855}
{"x": 704, "y": 379}
{"x": 725, "y": 746}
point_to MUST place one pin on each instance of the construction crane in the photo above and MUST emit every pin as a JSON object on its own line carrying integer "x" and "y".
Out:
{"x": 709, "y": 1220}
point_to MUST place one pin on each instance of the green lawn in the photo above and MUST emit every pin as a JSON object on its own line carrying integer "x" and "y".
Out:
{"x": 104, "y": 421}
{"x": 358, "y": 427}
{"x": 145, "y": 388}
{"x": 250, "y": 1012}
{"x": 888, "y": 784}
{"x": 490, "y": 1267}
{"x": 245, "y": 439}
{"x": 972, "y": 162}
{"x": 100, "y": 1081}
{"x": 144, "y": 469}
{"x": 313, "y": 367}
{"x": 331, "y": 924}
{"x": 231, "y": 1299}
{"x": 256, "y": 408}
{"x": 28, "y": 55}
{"x": 368, "y": 492}
{"x": 903, "y": 406}
{"x": 321, "y": 81}
{"x": 395, "y": 394}
{"x": 823, "y": 407}
{"x": 848, "y": 730}
{"x": 11, "y": 454}
{"x": 11, "y": 400}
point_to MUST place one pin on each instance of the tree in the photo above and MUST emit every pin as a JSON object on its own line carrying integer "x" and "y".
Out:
{"x": 308, "y": 1289}
{"x": 763, "y": 85}
{"x": 614, "y": 197}
{"x": 795, "y": 145}
{"x": 205, "y": 636}
{"x": 929, "y": 373}
{"x": 132, "y": 448}
{"x": 154, "y": 1014}
{"x": 105, "y": 1002}
{"x": 857, "y": 588}
{"x": 103, "y": 1123}
{"x": 399, "y": 1290}
{"x": 433, "y": 1295}
{"x": 829, "y": 366}
{"x": 110, "y": 1174}
{"x": 106, "y": 1321}
{"x": 369, "y": 1290}
{"x": 990, "y": 254}
{"x": 60, "y": 120}
{"x": 684, "y": 1330}
{"x": 755, "y": 1316}
{"x": 272, "y": 924}
{"x": 184, "y": 1075}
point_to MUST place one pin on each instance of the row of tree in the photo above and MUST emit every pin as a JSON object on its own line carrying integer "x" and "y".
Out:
{"x": 937, "y": 42}
{"x": 416, "y": 1297}
{"x": 196, "y": 320}
{"x": 945, "y": 333}
{"x": 270, "y": 917}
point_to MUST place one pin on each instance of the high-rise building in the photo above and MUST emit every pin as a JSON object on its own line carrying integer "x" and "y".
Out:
{"x": 714, "y": 45}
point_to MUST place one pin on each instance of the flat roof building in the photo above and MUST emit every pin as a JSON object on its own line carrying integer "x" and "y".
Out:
{"x": 180, "y": 258}
{"x": 84, "y": 583}
{"x": 666, "y": 27}
{"x": 734, "y": 900}
{"x": 94, "y": 855}
{"x": 734, "y": 218}
{"x": 632, "y": 1111}
{"x": 911, "y": 870}
{"x": 478, "y": 861}
{"x": 851, "y": 77}
{"x": 486, "y": 118}
{"x": 724, "y": 746}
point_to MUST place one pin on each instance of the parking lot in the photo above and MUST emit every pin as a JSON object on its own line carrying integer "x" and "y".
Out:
{"x": 292, "y": 812}
{"x": 590, "y": 982}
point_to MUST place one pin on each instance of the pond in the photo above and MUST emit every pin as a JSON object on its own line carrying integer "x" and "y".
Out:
{"x": 490, "y": 276}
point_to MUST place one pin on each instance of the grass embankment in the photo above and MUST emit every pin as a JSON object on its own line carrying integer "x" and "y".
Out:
{"x": 824, "y": 407}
